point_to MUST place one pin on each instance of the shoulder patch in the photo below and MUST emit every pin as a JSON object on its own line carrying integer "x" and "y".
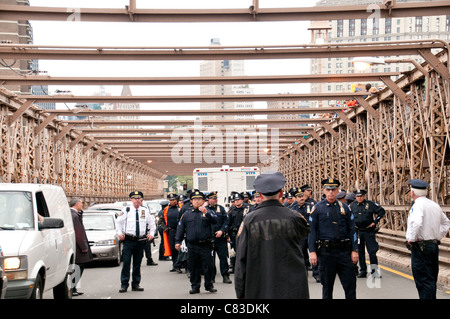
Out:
{"x": 240, "y": 228}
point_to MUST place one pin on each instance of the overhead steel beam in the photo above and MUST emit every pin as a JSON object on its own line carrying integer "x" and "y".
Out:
{"x": 263, "y": 79}
{"x": 392, "y": 48}
{"x": 191, "y": 98}
{"x": 254, "y": 13}
{"x": 143, "y": 131}
{"x": 202, "y": 112}
{"x": 190, "y": 122}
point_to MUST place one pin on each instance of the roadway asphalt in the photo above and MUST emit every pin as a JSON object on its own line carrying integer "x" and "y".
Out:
{"x": 102, "y": 281}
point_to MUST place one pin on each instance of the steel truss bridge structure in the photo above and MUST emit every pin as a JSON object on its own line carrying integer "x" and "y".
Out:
{"x": 399, "y": 133}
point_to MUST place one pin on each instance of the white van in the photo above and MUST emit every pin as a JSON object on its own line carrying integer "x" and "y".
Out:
{"x": 38, "y": 240}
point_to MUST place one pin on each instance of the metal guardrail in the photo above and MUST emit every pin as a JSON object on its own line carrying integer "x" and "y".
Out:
{"x": 395, "y": 241}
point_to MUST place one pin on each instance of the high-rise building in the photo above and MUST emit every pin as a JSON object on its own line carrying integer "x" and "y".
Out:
{"x": 373, "y": 30}
{"x": 287, "y": 105}
{"x": 16, "y": 32}
{"x": 126, "y": 91}
{"x": 224, "y": 68}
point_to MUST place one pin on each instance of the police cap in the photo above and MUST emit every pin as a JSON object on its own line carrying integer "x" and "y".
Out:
{"x": 341, "y": 195}
{"x": 196, "y": 194}
{"x": 171, "y": 196}
{"x": 418, "y": 183}
{"x": 255, "y": 194}
{"x": 294, "y": 190}
{"x": 306, "y": 187}
{"x": 269, "y": 183}
{"x": 360, "y": 192}
{"x": 236, "y": 196}
{"x": 136, "y": 194}
{"x": 330, "y": 183}
{"x": 212, "y": 195}
{"x": 289, "y": 195}
{"x": 247, "y": 195}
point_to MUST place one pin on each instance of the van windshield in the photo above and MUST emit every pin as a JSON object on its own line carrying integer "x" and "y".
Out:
{"x": 16, "y": 211}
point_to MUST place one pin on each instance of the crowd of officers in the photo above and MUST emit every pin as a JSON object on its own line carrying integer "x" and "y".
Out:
{"x": 328, "y": 237}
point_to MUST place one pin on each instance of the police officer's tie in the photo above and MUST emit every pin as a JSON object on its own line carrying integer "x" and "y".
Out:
{"x": 137, "y": 223}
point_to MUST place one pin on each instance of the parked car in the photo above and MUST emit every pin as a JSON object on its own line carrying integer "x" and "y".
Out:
{"x": 153, "y": 206}
{"x": 3, "y": 278}
{"x": 109, "y": 207}
{"x": 38, "y": 240}
{"x": 100, "y": 229}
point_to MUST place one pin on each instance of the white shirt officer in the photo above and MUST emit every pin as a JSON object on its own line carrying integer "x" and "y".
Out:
{"x": 426, "y": 220}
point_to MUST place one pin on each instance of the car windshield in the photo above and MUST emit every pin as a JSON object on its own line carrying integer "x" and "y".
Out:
{"x": 98, "y": 222}
{"x": 16, "y": 210}
{"x": 154, "y": 206}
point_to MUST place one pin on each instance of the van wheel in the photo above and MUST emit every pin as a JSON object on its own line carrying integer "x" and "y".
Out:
{"x": 63, "y": 290}
{"x": 38, "y": 290}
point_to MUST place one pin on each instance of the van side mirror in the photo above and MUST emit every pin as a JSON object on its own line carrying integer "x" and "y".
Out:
{"x": 49, "y": 223}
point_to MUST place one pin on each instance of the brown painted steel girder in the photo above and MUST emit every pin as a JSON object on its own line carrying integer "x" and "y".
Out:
{"x": 254, "y": 13}
{"x": 202, "y": 112}
{"x": 142, "y": 131}
{"x": 263, "y": 79}
{"x": 191, "y": 98}
{"x": 190, "y": 122}
{"x": 393, "y": 48}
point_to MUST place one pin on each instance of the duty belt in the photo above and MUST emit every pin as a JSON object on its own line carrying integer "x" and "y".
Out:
{"x": 342, "y": 244}
{"x": 135, "y": 238}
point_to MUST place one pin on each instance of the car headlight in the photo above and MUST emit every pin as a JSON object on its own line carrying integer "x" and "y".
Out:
{"x": 108, "y": 242}
{"x": 16, "y": 268}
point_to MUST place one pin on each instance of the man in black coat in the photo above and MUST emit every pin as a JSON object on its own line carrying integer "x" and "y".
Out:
{"x": 83, "y": 253}
{"x": 269, "y": 259}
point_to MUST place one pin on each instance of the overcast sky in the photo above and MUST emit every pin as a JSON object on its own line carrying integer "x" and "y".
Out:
{"x": 169, "y": 34}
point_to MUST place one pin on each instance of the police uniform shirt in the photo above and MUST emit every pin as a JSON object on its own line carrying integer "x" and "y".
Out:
{"x": 222, "y": 218}
{"x": 305, "y": 210}
{"x": 196, "y": 226}
{"x": 236, "y": 215}
{"x": 426, "y": 221}
{"x": 172, "y": 216}
{"x": 333, "y": 222}
{"x": 311, "y": 201}
{"x": 363, "y": 213}
{"x": 126, "y": 222}
{"x": 293, "y": 206}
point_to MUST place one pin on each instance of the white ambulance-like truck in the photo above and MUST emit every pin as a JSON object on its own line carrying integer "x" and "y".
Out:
{"x": 224, "y": 180}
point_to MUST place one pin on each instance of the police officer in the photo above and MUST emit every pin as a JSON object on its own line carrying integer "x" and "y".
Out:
{"x": 291, "y": 200}
{"x": 220, "y": 236}
{"x": 305, "y": 209}
{"x": 257, "y": 198}
{"x": 236, "y": 215}
{"x": 269, "y": 261}
{"x": 307, "y": 189}
{"x": 197, "y": 223}
{"x": 333, "y": 242}
{"x": 170, "y": 215}
{"x": 364, "y": 210}
{"x": 427, "y": 225}
{"x": 161, "y": 226}
{"x": 135, "y": 226}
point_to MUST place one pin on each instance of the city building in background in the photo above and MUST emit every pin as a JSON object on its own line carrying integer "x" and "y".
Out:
{"x": 371, "y": 30}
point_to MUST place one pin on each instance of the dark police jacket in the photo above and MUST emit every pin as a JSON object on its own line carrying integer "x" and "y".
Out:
{"x": 269, "y": 259}
{"x": 305, "y": 209}
{"x": 364, "y": 212}
{"x": 236, "y": 215}
{"x": 333, "y": 222}
{"x": 222, "y": 219}
{"x": 196, "y": 226}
